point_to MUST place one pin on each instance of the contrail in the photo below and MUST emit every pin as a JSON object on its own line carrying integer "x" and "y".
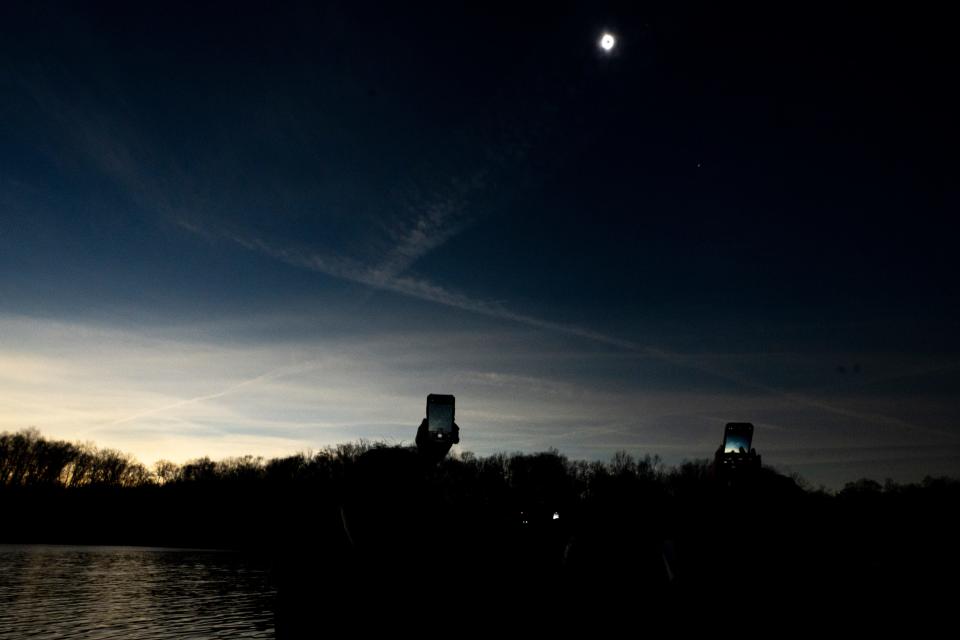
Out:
{"x": 268, "y": 375}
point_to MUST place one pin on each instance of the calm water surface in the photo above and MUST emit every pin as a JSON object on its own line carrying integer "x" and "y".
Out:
{"x": 132, "y": 592}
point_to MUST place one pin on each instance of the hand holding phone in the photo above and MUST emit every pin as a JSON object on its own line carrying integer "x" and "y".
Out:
{"x": 438, "y": 431}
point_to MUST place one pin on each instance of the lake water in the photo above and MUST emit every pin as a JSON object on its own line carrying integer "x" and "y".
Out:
{"x": 132, "y": 592}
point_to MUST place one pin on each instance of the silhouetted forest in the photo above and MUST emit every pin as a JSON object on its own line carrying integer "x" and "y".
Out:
{"x": 373, "y": 520}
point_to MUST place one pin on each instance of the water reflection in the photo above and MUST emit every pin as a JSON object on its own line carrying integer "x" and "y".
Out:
{"x": 132, "y": 592}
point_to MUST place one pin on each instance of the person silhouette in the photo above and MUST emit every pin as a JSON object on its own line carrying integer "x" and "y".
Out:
{"x": 390, "y": 503}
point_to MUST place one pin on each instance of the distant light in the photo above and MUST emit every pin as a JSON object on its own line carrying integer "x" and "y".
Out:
{"x": 607, "y": 42}
{"x": 556, "y": 516}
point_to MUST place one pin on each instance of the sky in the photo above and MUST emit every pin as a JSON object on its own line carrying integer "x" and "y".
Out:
{"x": 271, "y": 227}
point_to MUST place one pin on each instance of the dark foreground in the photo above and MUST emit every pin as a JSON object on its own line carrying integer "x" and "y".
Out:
{"x": 759, "y": 550}
{"x": 369, "y": 538}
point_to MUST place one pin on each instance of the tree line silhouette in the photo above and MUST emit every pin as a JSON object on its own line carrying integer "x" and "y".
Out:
{"x": 539, "y": 522}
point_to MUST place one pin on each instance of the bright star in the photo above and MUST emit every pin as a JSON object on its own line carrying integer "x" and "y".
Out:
{"x": 607, "y": 41}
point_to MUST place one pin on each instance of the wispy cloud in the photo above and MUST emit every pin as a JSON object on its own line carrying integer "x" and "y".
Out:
{"x": 96, "y": 125}
{"x": 428, "y": 223}
{"x": 421, "y": 289}
{"x": 180, "y": 393}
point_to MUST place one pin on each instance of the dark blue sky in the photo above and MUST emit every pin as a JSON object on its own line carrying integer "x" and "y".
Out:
{"x": 251, "y": 228}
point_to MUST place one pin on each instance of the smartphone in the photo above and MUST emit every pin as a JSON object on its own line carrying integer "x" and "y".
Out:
{"x": 736, "y": 436}
{"x": 440, "y": 416}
